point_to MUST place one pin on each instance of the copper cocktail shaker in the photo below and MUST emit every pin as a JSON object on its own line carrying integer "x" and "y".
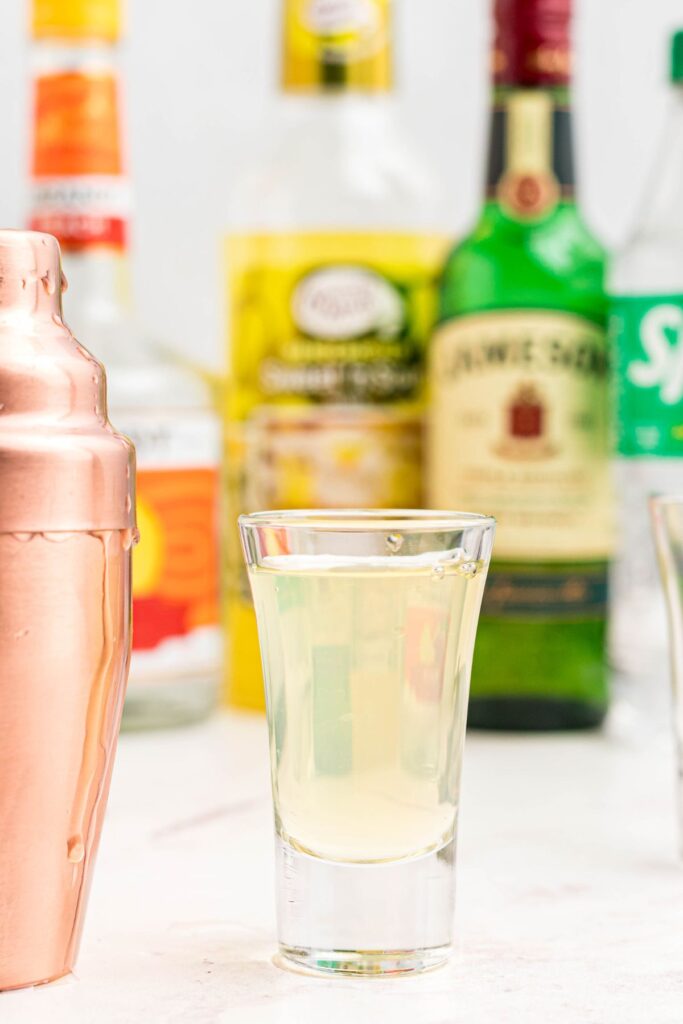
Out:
{"x": 67, "y": 524}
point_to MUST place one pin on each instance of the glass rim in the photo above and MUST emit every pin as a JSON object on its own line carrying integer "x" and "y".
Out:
{"x": 665, "y": 499}
{"x": 359, "y": 520}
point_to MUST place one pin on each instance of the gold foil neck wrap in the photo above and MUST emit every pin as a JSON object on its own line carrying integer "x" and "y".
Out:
{"x": 530, "y": 133}
{"x": 77, "y": 19}
{"x": 529, "y": 188}
{"x": 62, "y": 465}
{"x": 337, "y": 44}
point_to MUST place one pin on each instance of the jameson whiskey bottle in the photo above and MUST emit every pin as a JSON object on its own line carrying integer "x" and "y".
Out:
{"x": 519, "y": 404}
{"x": 332, "y": 265}
{"x": 79, "y": 192}
{"x": 647, "y": 338}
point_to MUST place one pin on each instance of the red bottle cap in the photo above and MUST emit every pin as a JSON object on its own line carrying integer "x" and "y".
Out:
{"x": 532, "y": 45}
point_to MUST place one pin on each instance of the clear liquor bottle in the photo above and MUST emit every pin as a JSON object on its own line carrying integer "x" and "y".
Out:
{"x": 646, "y": 285}
{"x": 80, "y": 193}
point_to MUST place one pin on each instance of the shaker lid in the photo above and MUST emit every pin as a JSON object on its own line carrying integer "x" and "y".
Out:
{"x": 63, "y": 467}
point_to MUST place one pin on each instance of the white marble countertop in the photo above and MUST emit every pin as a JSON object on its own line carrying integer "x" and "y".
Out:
{"x": 570, "y": 895}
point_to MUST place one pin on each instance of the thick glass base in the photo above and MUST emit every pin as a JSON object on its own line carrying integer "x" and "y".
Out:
{"x": 533, "y": 714}
{"x": 365, "y": 919}
{"x": 365, "y": 964}
{"x": 165, "y": 705}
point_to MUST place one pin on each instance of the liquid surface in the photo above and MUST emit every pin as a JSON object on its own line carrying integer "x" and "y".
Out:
{"x": 367, "y": 671}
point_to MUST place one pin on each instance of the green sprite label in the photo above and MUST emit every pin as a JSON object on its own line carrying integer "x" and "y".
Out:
{"x": 647, "y": 346}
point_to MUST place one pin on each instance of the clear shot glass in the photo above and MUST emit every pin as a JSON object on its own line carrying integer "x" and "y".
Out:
{"x": 667, "y": 519}
{"x": 367, "y": 621}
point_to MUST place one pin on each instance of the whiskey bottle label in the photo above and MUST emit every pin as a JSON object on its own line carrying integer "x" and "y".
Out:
{"x": 646, "y": 335}
{"x": 519, "y": 430}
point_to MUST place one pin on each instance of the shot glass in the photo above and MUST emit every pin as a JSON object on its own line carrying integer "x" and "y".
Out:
{"x": 667, "y": 519}
{"x": 367, "y": 622}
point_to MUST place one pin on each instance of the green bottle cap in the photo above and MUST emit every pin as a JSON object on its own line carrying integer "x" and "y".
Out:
{"x": 677, "y": 57}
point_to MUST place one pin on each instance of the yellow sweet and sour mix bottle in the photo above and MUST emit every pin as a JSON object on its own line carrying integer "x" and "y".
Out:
{"x": 331, "y": 261}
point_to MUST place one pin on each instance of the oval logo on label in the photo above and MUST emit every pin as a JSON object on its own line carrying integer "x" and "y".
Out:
{"x": 339, "y": 303}
{"x": 337, "y": 17}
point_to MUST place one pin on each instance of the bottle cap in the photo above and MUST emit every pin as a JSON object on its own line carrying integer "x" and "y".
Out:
{"x": 336, "y": 44}
{"x": 63, "y": 468}
{"x": 532, "y": 45}
{"x": 677, "y": 56}
{"x": 77, "y": 19}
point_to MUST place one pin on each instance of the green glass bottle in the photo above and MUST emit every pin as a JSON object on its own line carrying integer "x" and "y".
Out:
{"x": 519, "y": 416}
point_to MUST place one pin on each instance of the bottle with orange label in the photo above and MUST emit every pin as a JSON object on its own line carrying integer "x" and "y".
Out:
{"x": 79, "y": 192}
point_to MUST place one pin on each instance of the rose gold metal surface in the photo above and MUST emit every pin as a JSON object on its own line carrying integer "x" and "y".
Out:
{"x": 63, "y": 466}
{"x": 66, "y": 530}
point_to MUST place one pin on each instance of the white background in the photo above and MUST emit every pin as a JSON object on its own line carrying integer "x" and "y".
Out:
{"x": 201, "y": 77}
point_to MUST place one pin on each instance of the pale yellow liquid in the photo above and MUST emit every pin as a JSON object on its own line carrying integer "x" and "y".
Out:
{"x": 367, "y": 671}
